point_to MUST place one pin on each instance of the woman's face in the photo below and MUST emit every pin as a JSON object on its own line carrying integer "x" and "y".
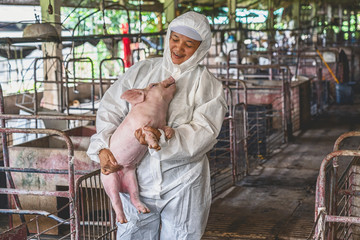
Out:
{"x": 182, "y": 47}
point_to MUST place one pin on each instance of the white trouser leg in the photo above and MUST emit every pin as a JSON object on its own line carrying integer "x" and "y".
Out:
{"x": 186, "y": 212}
{"x": 139, "y": 226}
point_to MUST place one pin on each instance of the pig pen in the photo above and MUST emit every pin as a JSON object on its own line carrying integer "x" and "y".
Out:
{"x": 41, "y": 175}
{"x": 49, "y": 152}
{"x": 337, "y": 214}
{"x": 268, "y": 108}
{"x": 305, "y": 62}
{"x": 221, "y": 156}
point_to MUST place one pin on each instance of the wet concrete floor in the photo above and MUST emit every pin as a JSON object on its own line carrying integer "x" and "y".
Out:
{"x": 276, "y": 201}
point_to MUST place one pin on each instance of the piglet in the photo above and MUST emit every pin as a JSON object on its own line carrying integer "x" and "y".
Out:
{"x": 148, "y": 112}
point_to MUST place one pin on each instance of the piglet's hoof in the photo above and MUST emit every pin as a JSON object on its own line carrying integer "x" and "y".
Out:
{"x": 155, "y": 146}
{"x": 142, "y": 209}
{"x": 120, "y": 217}
{"x": 169, "y": 132}
{"x": 122, "y": 220}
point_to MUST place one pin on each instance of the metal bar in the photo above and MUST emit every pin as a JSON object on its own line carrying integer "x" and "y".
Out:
{"x": 79, "y": 208}
{"x": 349, "y": 192}
{"x": 95, "y": 223}
{"x": 100, "y": 70}
{"x": 342, "y": 219}
{"x": 49, "y": 117}
{"x": 334, "y": 179}
{"x": 54, "y": 226}
{"x": 269, "y": 66}
{"x": 327, "y": 66}
{"x": 245, "y": 117}
{"x": 87, "y": 197}
{"x": 77, "y": 38}
{"x": 74, "y": 60}
{"x": 33, "y": 192}
{"x": 6, "y": 160}
{"x": 230, "y": 118}
{"x": 286, "y": 110}
{"x": 60, "y": 83}
{"x": 109, "y": 232}
{"x": 344, "y": 136}
{"x": 94, "y": 206}
{"x": 320, "y": 185}
{"x": 99, "y": 205}
{"x": 39, "y": 170}
{"x": 34, "y": 212}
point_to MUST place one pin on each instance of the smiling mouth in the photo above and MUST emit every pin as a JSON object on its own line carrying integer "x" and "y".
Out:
{"x": 177, "y": 56}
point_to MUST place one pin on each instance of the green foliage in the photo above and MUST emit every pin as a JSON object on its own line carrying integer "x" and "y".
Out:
{"x": 81, "y": 21}
{"x": 89, "y": 22}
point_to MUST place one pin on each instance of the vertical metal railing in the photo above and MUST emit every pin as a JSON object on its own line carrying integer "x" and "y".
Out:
{"x": 6, "y": 158}
{"x": 238, "y": 100}
{"x": 221, "y": 156}
{"x": 336, "y": 196}
{"x": 101, "y": 78}
{"x": 11, "y": 190}
{"x": 76, "y": 80}
{"x": 58, "y": 82}
{"x": 272, "y": 118}
{"x": 94, "y": 214}
{"x": 70, "y": 194}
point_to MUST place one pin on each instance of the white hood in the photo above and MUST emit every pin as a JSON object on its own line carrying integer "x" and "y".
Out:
{"x": 201, "y": 25}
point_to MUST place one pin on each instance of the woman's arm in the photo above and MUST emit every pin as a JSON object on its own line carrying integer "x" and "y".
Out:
{"x": 194, "y": 139}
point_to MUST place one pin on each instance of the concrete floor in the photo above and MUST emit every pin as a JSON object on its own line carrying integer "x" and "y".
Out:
{"x": 277, "y": 200}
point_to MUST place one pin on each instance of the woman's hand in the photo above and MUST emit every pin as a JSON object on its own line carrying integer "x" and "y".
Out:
{"x": 108, "y": 162}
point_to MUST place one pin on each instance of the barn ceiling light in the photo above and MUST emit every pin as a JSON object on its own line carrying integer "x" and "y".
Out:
{"x": 40, "y": 30}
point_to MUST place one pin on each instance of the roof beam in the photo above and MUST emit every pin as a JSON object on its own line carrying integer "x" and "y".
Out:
{"x": 22, "y": 2}
{"x": 147, "y": 6}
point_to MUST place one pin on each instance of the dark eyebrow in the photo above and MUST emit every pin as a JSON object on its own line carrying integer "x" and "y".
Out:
{"x": 174, "y": 34}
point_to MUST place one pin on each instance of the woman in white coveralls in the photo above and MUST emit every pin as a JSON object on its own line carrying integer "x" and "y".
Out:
{"x": 174, "y": 182}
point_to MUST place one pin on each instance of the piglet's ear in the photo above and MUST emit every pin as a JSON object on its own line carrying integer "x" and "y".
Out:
{"x": 134, "y": 96}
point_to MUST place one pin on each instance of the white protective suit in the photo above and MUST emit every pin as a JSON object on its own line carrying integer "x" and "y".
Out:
{"x": 174, "y": 182}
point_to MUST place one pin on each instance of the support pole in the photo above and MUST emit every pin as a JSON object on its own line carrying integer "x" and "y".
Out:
{"x": 50, "y": 12}
{"x": 170, "y": 7}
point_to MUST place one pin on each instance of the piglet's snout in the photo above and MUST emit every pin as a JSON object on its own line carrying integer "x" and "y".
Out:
{"x": 168, "y": 82}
